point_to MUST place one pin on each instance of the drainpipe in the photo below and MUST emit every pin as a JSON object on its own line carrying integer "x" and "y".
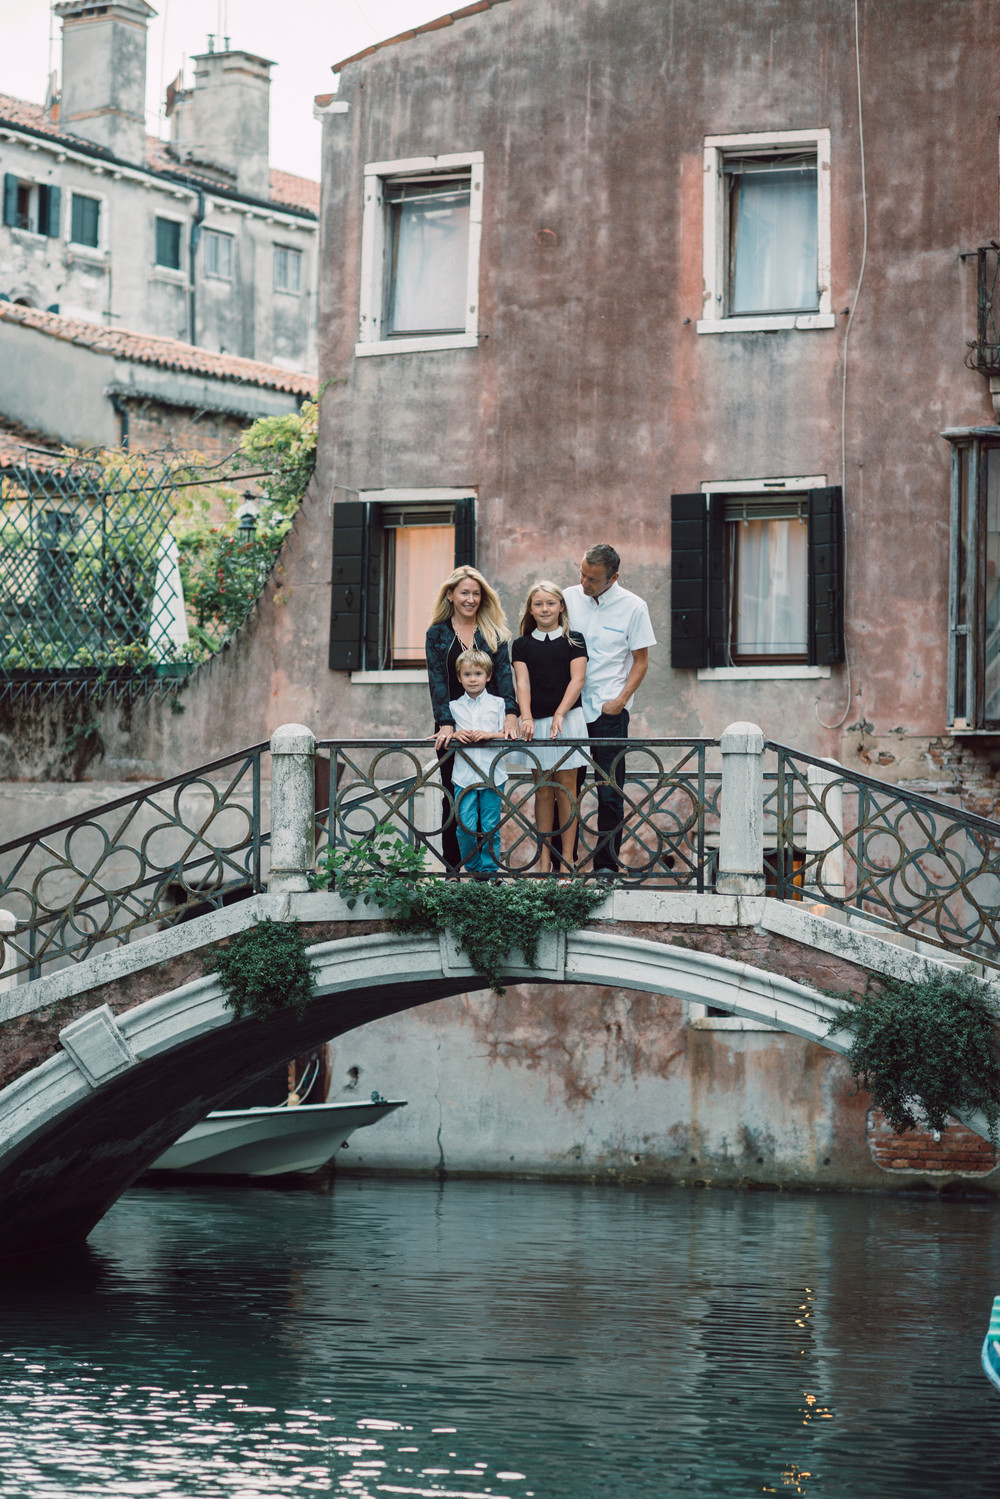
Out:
{"x": 121, "y": 412}
{"x": 196, "y": 224}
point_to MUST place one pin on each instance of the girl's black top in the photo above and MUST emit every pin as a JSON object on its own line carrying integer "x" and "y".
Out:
{"x": 443, "y": 650}
{"x": 548, "y": 662}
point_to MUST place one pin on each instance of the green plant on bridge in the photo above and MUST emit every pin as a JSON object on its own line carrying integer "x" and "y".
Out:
{"x": 925, "y": 1050}
{"x": 490, "y": 920}
{"x": 264, "y": 969}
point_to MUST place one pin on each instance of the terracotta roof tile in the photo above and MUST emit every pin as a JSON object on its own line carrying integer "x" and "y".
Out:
{"x": 20, "y": 447}
{"x": 166, "y": 353}
{"x": 299, "y": 193}
{"x": 448, "y": 19}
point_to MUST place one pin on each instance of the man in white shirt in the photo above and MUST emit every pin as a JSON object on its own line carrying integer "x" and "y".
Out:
{"x": 616, "y": 627}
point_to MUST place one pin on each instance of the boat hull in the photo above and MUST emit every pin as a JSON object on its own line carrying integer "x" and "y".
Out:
{"x": 269, "y": 1141}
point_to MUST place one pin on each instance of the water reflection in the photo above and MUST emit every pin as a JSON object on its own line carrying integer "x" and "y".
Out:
{"x": 505, "y": 1339}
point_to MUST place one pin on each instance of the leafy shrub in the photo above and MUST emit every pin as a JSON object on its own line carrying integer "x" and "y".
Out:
{"x": 926, "y": 1049}
{"x": 491, "y": 920}
{"x": 264, "y": 969}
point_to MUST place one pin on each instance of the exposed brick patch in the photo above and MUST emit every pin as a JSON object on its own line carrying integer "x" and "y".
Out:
{"x": 957, "y": 1151}
{"x": 974, "y": 770}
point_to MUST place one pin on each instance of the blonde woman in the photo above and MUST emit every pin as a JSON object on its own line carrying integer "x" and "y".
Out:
{"x": 467, "y": 615}
{"x": 550, "y": 663}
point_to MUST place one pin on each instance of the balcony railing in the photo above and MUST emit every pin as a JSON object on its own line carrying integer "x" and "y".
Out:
{"x": 984, "y": 354}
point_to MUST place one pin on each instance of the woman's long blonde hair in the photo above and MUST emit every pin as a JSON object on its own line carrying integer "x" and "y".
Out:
{"x": 491, "y": 621}
{"x": 544, "y": 585}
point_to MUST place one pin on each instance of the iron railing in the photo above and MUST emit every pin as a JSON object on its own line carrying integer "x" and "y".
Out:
{"x": 670, "y": 802}
{"x": 129, "y": 868}
{"x": 898, "y": 858}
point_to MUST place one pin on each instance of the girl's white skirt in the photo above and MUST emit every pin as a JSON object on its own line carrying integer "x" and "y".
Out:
{"x": 544, "y": 753}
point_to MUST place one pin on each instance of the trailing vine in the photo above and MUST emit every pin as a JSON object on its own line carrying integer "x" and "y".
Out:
{"x": 490, "y": 920}
{"x": 264, "y": 969}
{"x": 925, "y": 1050}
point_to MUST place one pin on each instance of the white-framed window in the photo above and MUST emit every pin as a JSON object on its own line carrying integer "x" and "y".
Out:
{"x": 217, "y": 255}
{"x": 757, "y": 578}
{"x": 766, "y": 232}
{"x": 287, "y": 269}
{"x": 85, "y": 225}
{"x": 420, "y": 239}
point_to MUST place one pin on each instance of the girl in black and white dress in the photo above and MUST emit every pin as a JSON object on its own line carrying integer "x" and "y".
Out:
{"x": 549, "y": 667}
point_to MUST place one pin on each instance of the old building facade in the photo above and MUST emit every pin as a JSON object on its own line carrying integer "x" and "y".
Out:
{"x": 195, "y": 239}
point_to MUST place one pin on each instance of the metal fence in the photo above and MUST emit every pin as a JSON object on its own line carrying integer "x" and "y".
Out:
{"x": 668, "y": 832}
{"x": 129, "y": 868}
{"x": 900, "y": 859}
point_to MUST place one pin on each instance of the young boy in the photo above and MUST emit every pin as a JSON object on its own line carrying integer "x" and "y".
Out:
{"x": 479, "y": 719}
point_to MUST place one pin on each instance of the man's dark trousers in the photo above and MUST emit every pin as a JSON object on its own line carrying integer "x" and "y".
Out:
{"x": 609, "y": 759}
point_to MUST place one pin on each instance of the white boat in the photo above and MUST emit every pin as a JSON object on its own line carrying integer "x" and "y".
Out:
{"x": 270, "y": 1141}
{"x": 991, "y": 1347}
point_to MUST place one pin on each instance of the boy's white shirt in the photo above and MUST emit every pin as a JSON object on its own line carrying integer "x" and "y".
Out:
{"x": 482, "y": 712}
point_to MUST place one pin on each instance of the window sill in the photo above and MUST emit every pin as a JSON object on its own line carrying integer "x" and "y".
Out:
{"x": 87, "y": 252}
{"x": 789, "y": 673}
{"x": 401, "y": 677}
{"x": 426, "y": 342}
{"x": 767, "y": 324}
{"x": 169, "y": 274}
{"x": 287, "y": 291}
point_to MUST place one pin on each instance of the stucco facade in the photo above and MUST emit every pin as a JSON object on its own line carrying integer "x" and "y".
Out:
{"x": 196, "y": 238}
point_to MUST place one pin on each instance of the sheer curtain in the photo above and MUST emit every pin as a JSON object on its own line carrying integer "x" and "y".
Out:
{"x": 423, "y": 557}
{"x": 431, "y": 265}
{"x": 773, "y": 241}
{"x": 772, "y": 588}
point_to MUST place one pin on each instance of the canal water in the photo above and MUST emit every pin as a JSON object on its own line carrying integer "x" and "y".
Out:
{"x": 519, "y": 1339}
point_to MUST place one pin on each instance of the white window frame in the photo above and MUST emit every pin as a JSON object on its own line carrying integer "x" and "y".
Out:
{"x": 782, "y": 671}
{"x": 217, "y": 275}
{"x": 95, "y": 251}
{"x": 290, "y": 250}
{"x": 717, "y": 148}
{"x": 373, "y": 249}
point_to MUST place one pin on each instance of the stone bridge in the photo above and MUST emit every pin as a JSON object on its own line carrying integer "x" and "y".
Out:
{"x": 105, "y": 1062}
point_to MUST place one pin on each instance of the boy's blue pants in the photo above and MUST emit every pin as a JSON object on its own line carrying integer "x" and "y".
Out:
{"x": 478, "y": 819}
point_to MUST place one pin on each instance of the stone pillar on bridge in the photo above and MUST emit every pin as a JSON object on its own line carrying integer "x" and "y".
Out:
{"x": 741, "y": 822}
{"x": 8, "y": 957}
{"x": 293, "y": 826}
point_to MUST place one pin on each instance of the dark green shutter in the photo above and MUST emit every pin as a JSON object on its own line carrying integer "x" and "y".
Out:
{"x": 378, "y": 648}
{"x": 465, "y": 533}
{"x": 347, "y": 596}
{"x": 697, "y": 581}
{"x": 49, "y": 211}
{"x": 826, "y": 576}
{"x": 10, "y": 200}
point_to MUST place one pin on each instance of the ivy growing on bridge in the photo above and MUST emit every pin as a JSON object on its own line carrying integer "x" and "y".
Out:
{"x": 491, "y": 920}
{"x": 264, "y": 969}
{"x": 925, "y": 1050}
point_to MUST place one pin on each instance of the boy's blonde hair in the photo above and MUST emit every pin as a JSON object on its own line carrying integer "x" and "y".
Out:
{"x": 544, "y": 585}
{"x": 478, "y": 660}
{"x": 491, "y": 622}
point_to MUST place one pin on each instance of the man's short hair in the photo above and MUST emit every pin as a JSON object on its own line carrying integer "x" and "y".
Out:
{"x": 603, "y": 555}
{"x": 478, "y": 660}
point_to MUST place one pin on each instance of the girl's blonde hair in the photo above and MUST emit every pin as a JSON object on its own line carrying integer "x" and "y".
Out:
{"x": 491, "y": 621}
{"x": 544, "y": 585}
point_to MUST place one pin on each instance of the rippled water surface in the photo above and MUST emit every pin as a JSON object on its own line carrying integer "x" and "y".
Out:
{"x": 395, "y": 1338}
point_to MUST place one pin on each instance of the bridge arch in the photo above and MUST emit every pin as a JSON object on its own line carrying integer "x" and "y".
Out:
{"x": 80, "y": 1127}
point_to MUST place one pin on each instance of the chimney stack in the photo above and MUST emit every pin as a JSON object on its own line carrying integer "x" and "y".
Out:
{"x": 223, "y": 122}
{"x": 104, "y": 73}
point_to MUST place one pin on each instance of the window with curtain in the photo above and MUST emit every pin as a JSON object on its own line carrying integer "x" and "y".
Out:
{"x": 218, "y": 254}
{"x": 767, "y": 579}
{"x": 418, "y": 557}
{"x": 772, "y": 233}
{"x": 427, "y": 257}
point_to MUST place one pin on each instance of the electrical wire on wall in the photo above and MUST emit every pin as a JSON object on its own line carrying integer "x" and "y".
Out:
{"x": 843, "y": 387}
